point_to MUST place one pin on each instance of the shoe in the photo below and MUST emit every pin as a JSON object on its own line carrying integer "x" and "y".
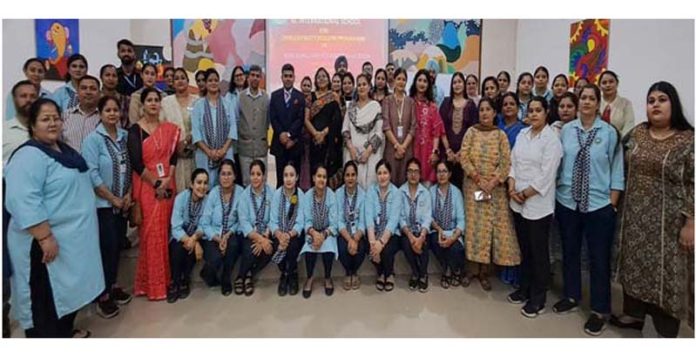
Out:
{"x": 423, "y": 285}
{"x": 356, "y": 282}
{"x": 348, "y": 282}
{"x": 239, "y": 286}
{"x": 445, "y": 281}
{"x": 226, "y": 289}
{"x": 328, "y": 288}
{"x": 595, "y": 325}
{"x": 616, "y": 321}
{"x": 389, "y": 283}
{"x": 307, "y": 290}
{"x": 413, "y": 283}
{"x": 531, "y": 311}
{"x": 565, "y": 306}
{"x": 466, "y": 280}
{"x": 184, "y": 291}
{"x": 283, "y": 285}
{"x": 293, "y": 284}
{"x": 120, "y": 297}
{"x": 248, "y": 286}
{"x": 456, "y": 280}
{"x": 379, "y": 283}
{"x": 172, "y": 294}
{"x": 485, "y": 283}
{"x": 107, "y": 309}
{"x": 517, "y": 297}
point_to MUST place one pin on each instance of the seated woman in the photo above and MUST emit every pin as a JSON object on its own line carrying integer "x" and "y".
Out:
{"x": 254, "y": 217}
{"x": 415, "y": 219}
{"x": 352, "y": 245}
{"x": 447, "y": 238}
{"x": 222, "y": 244}
{"x": 186, "y": 232}
{"x": 287, "y": 224}
{"x": 382, "y": 208}
{"x": 320, "y": 215}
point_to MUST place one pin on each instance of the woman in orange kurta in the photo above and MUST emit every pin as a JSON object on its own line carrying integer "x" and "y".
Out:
{"x": 486, "y": 162}
{"x": 152, "y": 150}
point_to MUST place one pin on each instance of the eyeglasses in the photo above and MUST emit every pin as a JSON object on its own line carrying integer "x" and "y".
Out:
{"x": 412, "y": 171}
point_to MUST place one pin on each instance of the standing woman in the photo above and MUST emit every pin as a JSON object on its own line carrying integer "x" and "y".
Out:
{"x": 35, "y": 72}
{"x": 287, "y": 228}
{"x": 152, "y": 153}
{"x": 560, "y": 87}
{"x": 491, "y": 89}
{"x": 660, "y": 169}
{"x": 109, "y": 80}
{"x": 399, "y": 126}
{"x": 486, "y": 162}
{"x": 66, "y": 95}
{"x": 352, "y": 244}
{"x": 254, "y": 217}
{"x": 429, "y": 127}
{"x": 186, "y": 233}
{"x": 177, "y": 109}
{"x": 458, "y": 114}
{"x": 51, "y": 238}
{"x": 380, "y": 91}
{"x": 213, "y": 127}
{"x": 323, "y": 121}
{"x": 567, "y": 111}
{"x": 541, "y": 83}
{"x": 169, "y": 80}
{"x": 238, "y": 83}
{"x": 135, "y": 108}
{"x": 590, "y": 182}
{"x": 524, "y": 94}
{"x": 106, "y": 152}
{"x": 414, "y": 219}
{"x": 503, "y": 82}
{"x": 347, "y": 88}
{"x": 472, "y": 88}
{"x": 508, "y": 120}
{"x": 220, "y": 224}
{"x": 321, "y": 227}
{"x": 306, "y": 87}
{"x": 532, "y": 189}
{"x": 200, "y": 82}
{"x": 616, "y": 110}
{"x": 581, "y": 82}
{"x": 362, "y": 133}
{"x": 336, "y": 84}
{"x": 447, "y": 237}
{"x": 382, "y": 209}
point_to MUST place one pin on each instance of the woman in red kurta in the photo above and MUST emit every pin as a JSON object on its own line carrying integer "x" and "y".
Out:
{"x": 152, "y": 150}
{"x": 429, "y": 127}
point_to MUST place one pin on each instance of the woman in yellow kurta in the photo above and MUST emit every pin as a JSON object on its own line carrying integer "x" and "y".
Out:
{"x": 486, "y": 162}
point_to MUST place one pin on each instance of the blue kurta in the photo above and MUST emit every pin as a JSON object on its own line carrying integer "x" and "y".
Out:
{"x": 512, "y": 131}
{"x": 198, "y": 132}
{"x": 423, "y": 212}
{"x": 63, "y": 95}
{"x": 393, "y": 208}
{"x": 100, "y": 164}
{"x": 457, "y": 216}
{"x": 274, "y": 224}
{"x": 180, "y": 215}
{"x": 212, "y": 213}
{"x": 247, "y": 216}
{"x": 358, "y": 220}
{"x": 330, "y": 244}
{"x": 40, "y": 189}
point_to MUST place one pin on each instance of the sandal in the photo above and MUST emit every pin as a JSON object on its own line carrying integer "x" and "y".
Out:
{"x": 456, "y": 280}
{"x": 79, "y": 333}
{"x": 356, "y": 282}
{"x": 466, "y": 280}
{"x": 347, "y": 282}
{"x": 445, "y": 281}
{"x": 485, "y": 283}
{"x": 389, "y": 283}
{"x": 248, "y": 286}
{"x": 379, "y": 284}
{"x": 239, "y": 286}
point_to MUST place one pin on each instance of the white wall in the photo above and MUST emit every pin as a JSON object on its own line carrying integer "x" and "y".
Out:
{"x": 498, "y": 47}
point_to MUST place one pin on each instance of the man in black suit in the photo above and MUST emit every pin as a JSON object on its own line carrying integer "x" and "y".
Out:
{"x": 287, "y": 112}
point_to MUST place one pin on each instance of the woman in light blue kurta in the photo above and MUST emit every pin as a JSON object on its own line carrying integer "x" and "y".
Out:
{"x": 213, "y": 127}
{"x": 382, "y": 211}
{"x": 53, "y": 234}
{"x": 446, "y": 239}
{"x": 287, "y": 227}
{"x": 414, "y": 222}
{"x": 186, "y": 232}
{"x": 254, "y": 218}
{"x": 34, "y": 71}
{"x": 66, "y": 96}
{"x": 352, "y": 244}
{"x": 106, "y": 153}
{"x": 541, "y": 84}
{"x": 222, "y": 244}
{"x": 321, "y": 227}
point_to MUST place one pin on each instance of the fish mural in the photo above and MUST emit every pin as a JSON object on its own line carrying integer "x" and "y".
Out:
{"x": 56, "y": 41}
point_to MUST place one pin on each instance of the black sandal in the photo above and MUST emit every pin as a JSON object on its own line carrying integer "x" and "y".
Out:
{"x": 379, "y": 284}
{"x": 239, "y": 286}
{"x": 389, "y": 283}
{"x": 248, "y": 286}
{"x": 456, "y": 280}
{"x": 445, "y": 281}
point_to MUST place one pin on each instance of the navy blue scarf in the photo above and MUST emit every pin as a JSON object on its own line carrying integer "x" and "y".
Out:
{"x": 67, "y": 156}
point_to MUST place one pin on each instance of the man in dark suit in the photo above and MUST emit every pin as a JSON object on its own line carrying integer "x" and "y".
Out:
{"x": 287, "y": 112}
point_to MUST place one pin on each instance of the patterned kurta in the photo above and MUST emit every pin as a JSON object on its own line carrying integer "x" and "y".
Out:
{"x": 489, "y": 228}
{"x": 659, "y": 195}
{"x": 428, "y": 127}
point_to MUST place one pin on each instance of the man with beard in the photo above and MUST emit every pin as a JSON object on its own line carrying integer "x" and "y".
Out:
{"x": 128, "y": 77}
{"x": 82, "y": 119}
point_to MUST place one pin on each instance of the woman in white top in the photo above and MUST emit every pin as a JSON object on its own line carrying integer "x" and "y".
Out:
{"x": 177, "y": 109}
{"x": 616, "y": 110}
{"x": 532, "y": 187}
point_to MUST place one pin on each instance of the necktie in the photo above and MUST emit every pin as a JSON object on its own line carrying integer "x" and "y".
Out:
{"x": 287, "y": 97}
{"x": 606, "y": 115}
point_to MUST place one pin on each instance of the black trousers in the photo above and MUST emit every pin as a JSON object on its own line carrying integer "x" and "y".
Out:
{"x": 386, "y": 262}
{"x": 112, "y": 230}
{"x": 254, "y": 264}
{"x": 418, "y": 262}
{"x": 43, "y": 308}
{"x": 237, "y": 167}
{"x": 665, "y": 325}
{"x": 535, "y": 269}
{"x": 281, "y": 160}
{"x": 218, "y": 266}
{"x": 451, "y": 258}
{"x": 6, "y": 307}
{"x": 351, "y": 263}
{"x": 181, "y": 263}
{"x": 311, "y": 261}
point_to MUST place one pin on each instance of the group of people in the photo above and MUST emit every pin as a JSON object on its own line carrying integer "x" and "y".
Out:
{"x": 365, "y": 169}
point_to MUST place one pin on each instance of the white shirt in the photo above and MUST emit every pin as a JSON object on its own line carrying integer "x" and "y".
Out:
{"x": 14, "y": 134}
{"x": 535, "y": 161}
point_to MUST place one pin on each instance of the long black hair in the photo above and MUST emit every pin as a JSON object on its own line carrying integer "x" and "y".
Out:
{"x": 428, "y": 91}
{"x": 678, "y": 120}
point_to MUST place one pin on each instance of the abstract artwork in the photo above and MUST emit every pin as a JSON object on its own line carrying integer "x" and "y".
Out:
{"x": 448, "y": 45}
{"x": 154, "y": 55}
{"x": 199, "y": 44}
{"x": 589, "y": 49}
{"x": 56, "y": 40}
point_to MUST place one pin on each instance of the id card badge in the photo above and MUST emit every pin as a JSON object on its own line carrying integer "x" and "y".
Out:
{"x": 400, "y": 132}
{"x": 160, "y": 170}
{"x": 379, "y": 220}
{"x": 122, "y": 167}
